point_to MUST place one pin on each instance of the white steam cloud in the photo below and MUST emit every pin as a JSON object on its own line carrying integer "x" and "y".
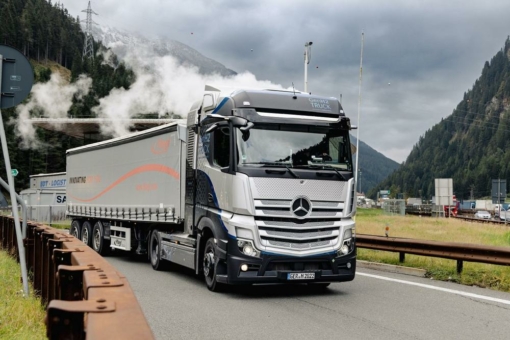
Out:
{"x": 162, "y": 86}
{"x": 52, "y": 99}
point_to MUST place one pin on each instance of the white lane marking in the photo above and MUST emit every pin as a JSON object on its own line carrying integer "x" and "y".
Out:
{"x": 452, "y": 291}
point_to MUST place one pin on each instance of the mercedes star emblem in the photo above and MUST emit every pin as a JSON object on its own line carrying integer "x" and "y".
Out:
{"x": 301, "y": 207}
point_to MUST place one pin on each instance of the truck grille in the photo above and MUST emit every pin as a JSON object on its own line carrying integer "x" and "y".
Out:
{"x": 279, "y": 227}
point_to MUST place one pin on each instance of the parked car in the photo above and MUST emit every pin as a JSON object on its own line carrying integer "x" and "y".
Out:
{"x": 483, "y": 214}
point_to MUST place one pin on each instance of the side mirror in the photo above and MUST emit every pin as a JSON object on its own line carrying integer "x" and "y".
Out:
{"x": 215, "y": 126}
{"x": 245, "y": 135}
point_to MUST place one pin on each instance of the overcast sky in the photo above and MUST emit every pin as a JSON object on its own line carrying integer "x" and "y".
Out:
{"x": 419, "y": 56}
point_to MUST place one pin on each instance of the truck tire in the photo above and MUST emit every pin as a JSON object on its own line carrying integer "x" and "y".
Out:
{"x": 86, "y": 233}
{"x": 209, "y": 266}
{"x": 155, "y": 252}
{"x": 98, "y": 242}
{"x": 75, "y": 229}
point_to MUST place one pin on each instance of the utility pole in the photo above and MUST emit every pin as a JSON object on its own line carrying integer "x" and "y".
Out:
{"x": 472, "y": 192}
{"x": 359, "y": 104}
{"x": 360, "y": 181}
{"x": 308, "y": 57}
{"x": 88, "y": 46}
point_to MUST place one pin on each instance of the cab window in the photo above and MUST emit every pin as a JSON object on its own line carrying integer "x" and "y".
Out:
{"x": 221, "y": 147}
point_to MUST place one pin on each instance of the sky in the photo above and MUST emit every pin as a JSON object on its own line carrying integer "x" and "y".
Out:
{"x": 419, "y": 57}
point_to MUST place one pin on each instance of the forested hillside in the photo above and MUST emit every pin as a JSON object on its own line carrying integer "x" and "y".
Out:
{"x": 52, "y": 40}
{"x": 472, "y": 145}
{"x": 374, "y": 166}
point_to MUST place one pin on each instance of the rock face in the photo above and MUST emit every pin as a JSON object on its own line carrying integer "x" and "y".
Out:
{"x": 120, "y": 41}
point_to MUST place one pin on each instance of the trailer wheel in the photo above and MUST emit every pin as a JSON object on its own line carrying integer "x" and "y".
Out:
{"x": 209, "y": 266}
{"x": 155, "y": 252}
{"x": 75, "y": 229}
{"x": 98, "y": 242}
{"x": 86, "y": 233}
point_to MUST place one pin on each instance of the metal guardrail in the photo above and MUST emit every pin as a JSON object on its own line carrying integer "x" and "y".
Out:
{"x": 86, "y": 297}
{"x": 447, "y": 250}
{"x": 482, "y": 220}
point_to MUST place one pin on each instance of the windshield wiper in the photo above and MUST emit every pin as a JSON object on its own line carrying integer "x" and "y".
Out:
{"x": 323, "y": 167}
{"x": 292, "y": 172}
{"x": 275, "y": 164}
{"x": 267, "y": 163}
{"x": 337, "y": 172}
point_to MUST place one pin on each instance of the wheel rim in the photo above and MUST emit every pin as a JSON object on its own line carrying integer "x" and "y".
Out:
{"x": 97, "y": 239}
{"x": 74, "y": 232}
{"x": 209, "y": 263}
{"x": 85, "y": 236}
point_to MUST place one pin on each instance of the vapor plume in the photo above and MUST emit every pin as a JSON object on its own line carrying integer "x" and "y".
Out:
{"x": 52, "y": 99}
{"x": 162, "y": 86}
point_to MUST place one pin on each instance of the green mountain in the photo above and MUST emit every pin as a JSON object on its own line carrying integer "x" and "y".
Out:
{"x": 472, "y": 145}
{"x": 374, "y": 166}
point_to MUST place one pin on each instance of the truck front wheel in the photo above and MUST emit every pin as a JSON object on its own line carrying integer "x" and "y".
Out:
{"x": 209, "y": 266}
{"x": 155, "y": 252}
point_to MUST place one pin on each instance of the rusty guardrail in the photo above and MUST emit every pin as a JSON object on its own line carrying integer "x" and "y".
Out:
{"x": 86, "y": 297}
{"x": 447, "y": 250}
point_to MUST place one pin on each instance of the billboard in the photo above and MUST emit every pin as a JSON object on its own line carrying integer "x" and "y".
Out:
{"x": 444, "y": 191}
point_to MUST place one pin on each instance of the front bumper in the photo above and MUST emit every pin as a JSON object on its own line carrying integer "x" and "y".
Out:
{"x": 271, "y": 268}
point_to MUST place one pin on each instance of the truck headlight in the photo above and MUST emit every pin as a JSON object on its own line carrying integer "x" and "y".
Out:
{"x": 344, "y": 249}
{"x": 347, "y": 243}
{"x": 247, "y": 248}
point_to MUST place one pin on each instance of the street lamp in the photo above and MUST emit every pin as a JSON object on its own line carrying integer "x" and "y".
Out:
{"x": 308, "y": 57}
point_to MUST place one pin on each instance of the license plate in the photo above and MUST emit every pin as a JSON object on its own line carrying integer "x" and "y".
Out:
{"x": 300, "y": 276}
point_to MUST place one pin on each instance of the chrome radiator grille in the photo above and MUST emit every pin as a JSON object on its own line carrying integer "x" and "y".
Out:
{"x": 279, "y": 227}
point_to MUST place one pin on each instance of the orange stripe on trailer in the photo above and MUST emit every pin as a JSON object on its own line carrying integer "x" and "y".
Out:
{"x": 144, "y": 168}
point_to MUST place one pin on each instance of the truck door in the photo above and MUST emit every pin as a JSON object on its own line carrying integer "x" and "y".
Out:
{"x": 215, "y": 177}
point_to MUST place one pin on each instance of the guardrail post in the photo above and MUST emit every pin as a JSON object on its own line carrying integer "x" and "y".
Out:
{"x": 38, "y": 259}
{"x": 8, "y": 238}
{"x": 2, "y": 219}
{"x": 65, "y": 319}
{"x": 4, "y": 233}
{"x": 45, "y": 237}
{"x": 70, "y": 281}
{"x": 402, "y": 257}
{"x": 460, "y": 266}
{"x": 30, "y": 247}
{"x": 52, "y": 245}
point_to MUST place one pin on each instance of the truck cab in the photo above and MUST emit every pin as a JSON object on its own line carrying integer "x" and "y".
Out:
{"x": 270, "y": 189}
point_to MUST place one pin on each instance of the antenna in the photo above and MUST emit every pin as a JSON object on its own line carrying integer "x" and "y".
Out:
{"x": 359, "y": 104}
{"x": 88, "y": 46}
{"x": 294, "y": 90}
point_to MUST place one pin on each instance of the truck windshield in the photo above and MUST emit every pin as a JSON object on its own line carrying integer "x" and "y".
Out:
{"x": 296, "y": 146}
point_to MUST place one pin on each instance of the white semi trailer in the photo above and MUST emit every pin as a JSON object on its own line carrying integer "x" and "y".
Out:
{"x": 256, "y": 187}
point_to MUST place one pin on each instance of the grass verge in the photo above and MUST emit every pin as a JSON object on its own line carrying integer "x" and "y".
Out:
{"x": 374, "y": 222}
{"x": 20, "y": 317}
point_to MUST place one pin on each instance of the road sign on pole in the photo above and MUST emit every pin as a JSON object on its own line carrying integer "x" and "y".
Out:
{"x": 14, "y": 172}
{"x": 16, "y": 79}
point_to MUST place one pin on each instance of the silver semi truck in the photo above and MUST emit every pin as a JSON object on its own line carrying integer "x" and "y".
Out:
{"x": 256, "y": 186}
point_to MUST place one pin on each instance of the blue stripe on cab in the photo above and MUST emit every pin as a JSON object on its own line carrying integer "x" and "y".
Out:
{"x": 221, "y": 105}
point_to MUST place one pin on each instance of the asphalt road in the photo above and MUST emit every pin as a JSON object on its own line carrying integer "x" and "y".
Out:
{"x": 376, "y": 305}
